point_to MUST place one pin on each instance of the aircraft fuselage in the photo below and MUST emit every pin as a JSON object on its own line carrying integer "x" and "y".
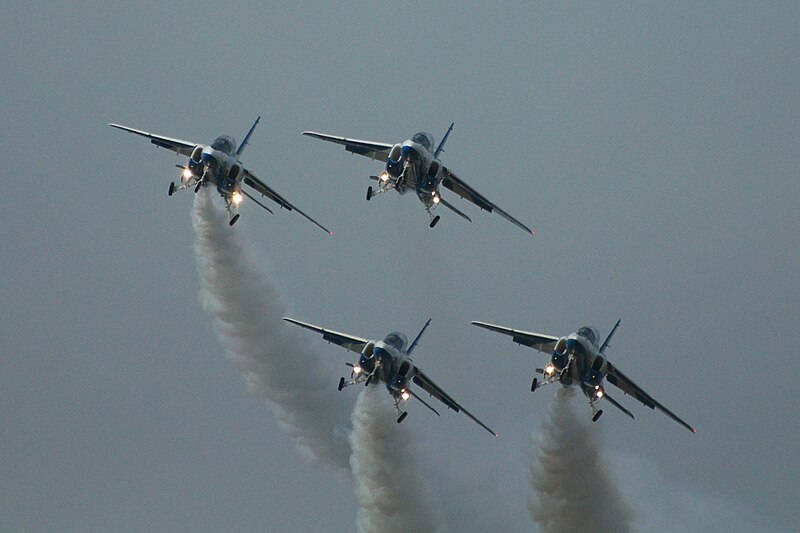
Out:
{"x": 577, "y": 360}
{"x": 415, "y": 168}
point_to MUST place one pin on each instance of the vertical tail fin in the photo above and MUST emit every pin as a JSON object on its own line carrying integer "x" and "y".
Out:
{"x": 440, "y": 148}
{"x": 608, "y": 339}
{"x": 419, "y": 336}
{"x": 247, "y": 137}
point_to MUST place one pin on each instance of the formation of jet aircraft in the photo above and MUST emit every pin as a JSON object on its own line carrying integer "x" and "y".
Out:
{"x": 414, "y": 165}
{"x": 579, "y": 360}
{"x": 218, "y": 164}
{"x": 388, "y": 361}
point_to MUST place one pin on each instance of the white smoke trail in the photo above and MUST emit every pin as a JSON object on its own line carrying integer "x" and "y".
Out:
{"x": 390, "y": 492}
{"x": 277, "y": 364}
{"x": 572, "y": 488}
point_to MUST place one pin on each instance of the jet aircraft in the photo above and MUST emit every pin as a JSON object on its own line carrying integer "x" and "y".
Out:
{"x": 577, "y": 359}
{"x": 414, "y": 165}
{"x": 388, "y": 360}
{"x": 218, "y": 164}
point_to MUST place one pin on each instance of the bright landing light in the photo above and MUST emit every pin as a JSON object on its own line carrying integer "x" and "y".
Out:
{"x": 356, "y": 369}
{"x": 436, "y": 199}
{"x": 187, "y": 173}
{"x": 549, "y": 369}
{"x": 237, "y": 198}
{"x": 405, "y": 395}
{"x": 384, "y": 176}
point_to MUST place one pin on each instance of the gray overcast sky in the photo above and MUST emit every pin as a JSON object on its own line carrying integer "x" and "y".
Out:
{"x": 652, "y": 147}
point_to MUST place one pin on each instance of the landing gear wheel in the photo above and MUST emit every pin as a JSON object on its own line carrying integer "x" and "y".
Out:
{"x": 234, "y": 219}
{"x": 341, "y": 383}
{"x": 535, "y": 384}
{"x": 369, "y": 193}
{"x": 197, "y": 187}
{"x": 597, "y": 415}
{"x": 402, "y": 417}
{"x": 434, "y": 221}
{"x": 171, "y": 188}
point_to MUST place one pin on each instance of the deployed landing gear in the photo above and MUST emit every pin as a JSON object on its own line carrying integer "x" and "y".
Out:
{"x": 534, "y": 384}
{"x": 434, "y": 221}
{"x": 368, "y": 380}
{"x": 341, "y": 383}
{"x": 171, "y": 188}
{"x": 597, "y": 415}
{"x": 234, "y": 219}
{"x": 369, "y": 193}
{"x": 197, "y": 187}
{"x": 402, "y": 416}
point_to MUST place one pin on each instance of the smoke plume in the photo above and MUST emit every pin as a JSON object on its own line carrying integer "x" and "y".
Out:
{"x": 277, "y": 364}
{"x": 572, "y": 488}
{"x": 390, "y": 492}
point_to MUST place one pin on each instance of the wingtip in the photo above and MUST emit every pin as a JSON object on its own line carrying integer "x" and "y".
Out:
{"x": 497, "y": 435}
{"x": 533, "y": 232}
{"x": 330, "y": 233}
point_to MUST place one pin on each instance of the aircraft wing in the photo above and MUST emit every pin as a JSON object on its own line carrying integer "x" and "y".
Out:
{"x": 537, "y": 341}
{"x": 424, "y": 382}
{"x": 373, "y": 150}
{"x": 252, "y": 181}
{"x": 620, "y": 380}
{"x": 176, "y": 145}
{"x": 455, "y": 184}
{"x": 348, "y": 342}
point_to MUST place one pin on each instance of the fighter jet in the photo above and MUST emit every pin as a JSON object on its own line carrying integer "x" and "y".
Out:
{"x": 218, "y": 164}
{"x": 578, "y": 359}
{"x": 388, "y": 361}
{"x": 414, "y": 165}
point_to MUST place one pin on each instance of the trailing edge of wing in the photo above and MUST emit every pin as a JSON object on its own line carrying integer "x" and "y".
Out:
{"x": 537, "y": 341}
{"x": 621, "y": 381}
{"x": 373, "y": 150}
{"x": 176, "y": 145}
{"x": 458, "y": 186}
{"x": 264, "y": 190}
{"x": 348, "y": 342}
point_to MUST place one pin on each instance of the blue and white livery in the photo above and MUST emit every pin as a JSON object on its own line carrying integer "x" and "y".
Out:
{"x": 388, "y": 361}
{"x": 579, "y": 360}
{"x": 218, "y": 164}
{"x": 414, "y": 165}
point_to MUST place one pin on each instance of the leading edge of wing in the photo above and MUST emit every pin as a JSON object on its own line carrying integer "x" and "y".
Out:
{"x": 426, "y": 384}
{"x": 626, "y": 385}
{"x": 349, "y": 342}
{"x": 543, "y": 343}
{"x": 371, "y": 149}
{"x": 258, "y": 185}
{"x": 461, "y": 188}
{"x": 176, "y": 145}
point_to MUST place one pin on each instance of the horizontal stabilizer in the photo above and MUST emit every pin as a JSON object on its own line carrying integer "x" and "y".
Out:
{"x": 616, "y": 404}
{"x": 453, "y": 208}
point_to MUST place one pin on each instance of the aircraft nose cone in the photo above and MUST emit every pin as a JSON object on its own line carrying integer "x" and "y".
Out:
{"x": 208, "y": 157}
{"x": 572, "y": 345}
{"x": 408, "y": 151}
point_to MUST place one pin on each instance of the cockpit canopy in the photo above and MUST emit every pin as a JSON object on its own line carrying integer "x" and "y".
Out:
{"x": 225, "y": 144}
{"x": 590, "y": 333}
{"x": 396, "y": 340}
{"x": 425, "y": 139}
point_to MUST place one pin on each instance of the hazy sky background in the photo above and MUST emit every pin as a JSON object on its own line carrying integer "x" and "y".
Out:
{"x": 654, "y": 148}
